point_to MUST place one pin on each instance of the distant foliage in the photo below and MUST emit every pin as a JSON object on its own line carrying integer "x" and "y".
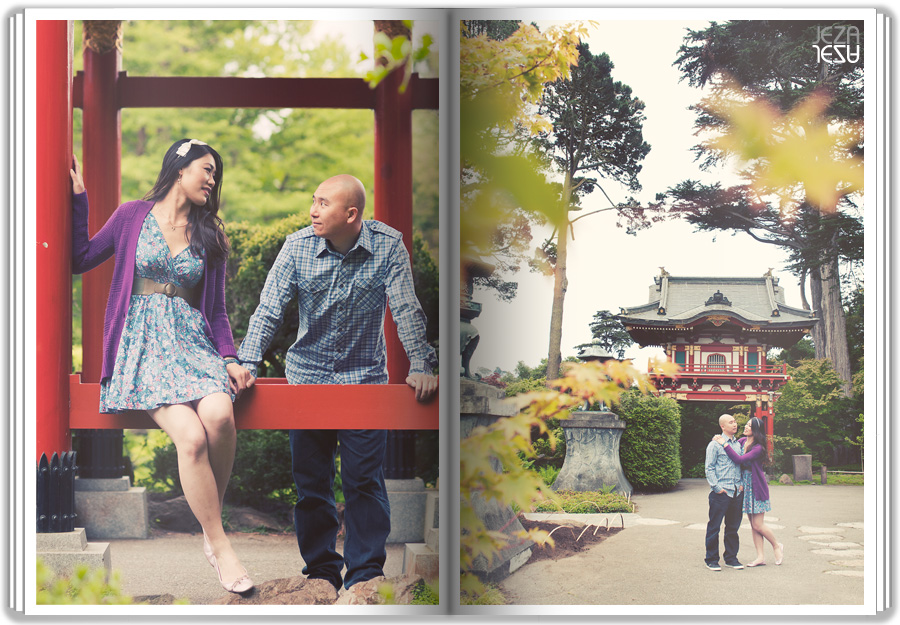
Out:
{"x": 650, "y": 447}
{"x": 813, "y": 409}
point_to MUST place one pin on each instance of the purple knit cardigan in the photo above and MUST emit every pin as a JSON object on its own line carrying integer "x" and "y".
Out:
{"x": 119, "y": 236}
{"x": 754, "y": 458}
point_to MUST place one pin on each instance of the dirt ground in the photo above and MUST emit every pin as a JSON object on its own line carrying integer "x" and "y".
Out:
{"x": 568, "y": 540}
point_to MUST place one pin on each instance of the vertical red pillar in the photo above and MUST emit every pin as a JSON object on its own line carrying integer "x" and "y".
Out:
{"x": 393, "y": 187}
{"x": 102, "y": 151}
{"x": 53, "y": 212}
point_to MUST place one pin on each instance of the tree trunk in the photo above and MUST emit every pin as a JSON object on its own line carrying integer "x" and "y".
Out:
{"x": 830, "y": 333}
{"x": 834, "y": 323}
{"x": 560, "y": 284}
{"x": 818, "y": 331}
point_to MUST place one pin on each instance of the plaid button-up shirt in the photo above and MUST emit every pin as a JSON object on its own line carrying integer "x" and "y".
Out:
{"x": 342, "y": 301}
{"x": 721, "y": 471}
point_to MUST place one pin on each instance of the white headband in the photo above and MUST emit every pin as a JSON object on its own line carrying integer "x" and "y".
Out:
{"x": 185, "y": 147}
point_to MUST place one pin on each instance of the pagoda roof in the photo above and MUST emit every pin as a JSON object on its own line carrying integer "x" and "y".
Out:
{"x": 749, "y": 302}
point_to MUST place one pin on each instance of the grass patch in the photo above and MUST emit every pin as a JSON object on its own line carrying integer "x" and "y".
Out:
{"x": 491, "y": 596}
{"x": 845, "y": 480}
{"x": 575, "y": 502}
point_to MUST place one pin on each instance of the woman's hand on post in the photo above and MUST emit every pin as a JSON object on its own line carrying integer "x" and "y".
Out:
{"x": 75, "y": 173}
{"x": 239, "y": 378}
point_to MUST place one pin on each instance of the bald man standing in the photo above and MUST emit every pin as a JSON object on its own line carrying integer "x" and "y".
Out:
{"x": 726, "y": 497}
{"x": 344, "y": 271}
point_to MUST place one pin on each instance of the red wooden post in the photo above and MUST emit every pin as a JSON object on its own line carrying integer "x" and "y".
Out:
{"x": 393, "y": 187}
{"x": 53, "y": 152}
{"x": 102, "y": 151}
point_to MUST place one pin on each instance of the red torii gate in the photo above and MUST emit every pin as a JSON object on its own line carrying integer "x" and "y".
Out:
{"x": 67, "y": 401}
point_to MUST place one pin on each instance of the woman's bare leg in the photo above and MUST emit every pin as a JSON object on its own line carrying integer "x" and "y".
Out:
{"x": 198, "y": 481}
{"x": 758, "y": 523}
{"x": 217, "y": 416}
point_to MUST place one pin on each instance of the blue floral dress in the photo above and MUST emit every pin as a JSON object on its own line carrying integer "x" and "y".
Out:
{"x": 752, "y": 505}
{"x": 164, "y": 355}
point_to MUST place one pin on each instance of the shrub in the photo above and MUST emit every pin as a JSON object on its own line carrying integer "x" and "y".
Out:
{"x": 86, "y": 586}
{"x": 784, "y": 448}
{"x": 650, "y": 444}
{"x": 425, "y": 593}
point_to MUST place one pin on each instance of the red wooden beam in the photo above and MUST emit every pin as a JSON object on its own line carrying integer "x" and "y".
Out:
{"x": 102, "y": 157}
{"x": 273, "y": 404}
{"x": 234, "y": 92}
{"x": 53, "y": 207}
{"x": 393, "y": 189}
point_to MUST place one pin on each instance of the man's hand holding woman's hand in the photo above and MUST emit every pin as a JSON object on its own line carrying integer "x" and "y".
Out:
{"x": 75, "y": 173}
{"x": 239, "y": 378}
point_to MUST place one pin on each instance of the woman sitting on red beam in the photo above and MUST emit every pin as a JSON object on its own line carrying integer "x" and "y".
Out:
{"x": 167, "y": 343}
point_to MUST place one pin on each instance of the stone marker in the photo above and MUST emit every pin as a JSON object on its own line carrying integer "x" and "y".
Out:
{"x": 802, "y": 467}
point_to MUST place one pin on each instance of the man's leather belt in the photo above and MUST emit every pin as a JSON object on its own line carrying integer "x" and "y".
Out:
{"x": 145, "y": 286}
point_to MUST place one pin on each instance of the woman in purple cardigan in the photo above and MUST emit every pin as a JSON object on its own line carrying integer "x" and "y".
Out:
{"x": 167, "y": 342}
{"x": 756, "y": 488}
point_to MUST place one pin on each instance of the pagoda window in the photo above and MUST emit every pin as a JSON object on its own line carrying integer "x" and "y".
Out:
{"x": 680, "y": 357}
{"x": 753, "y": 362}
{"x": 716, "y": 362}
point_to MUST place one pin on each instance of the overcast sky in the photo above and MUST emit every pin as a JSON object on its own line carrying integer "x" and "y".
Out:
{"x": 607, "y": 268}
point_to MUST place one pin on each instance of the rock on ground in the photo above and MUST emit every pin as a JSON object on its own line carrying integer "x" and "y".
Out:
{"x": 303, "y": 591}
{"x": 286, "y": 591}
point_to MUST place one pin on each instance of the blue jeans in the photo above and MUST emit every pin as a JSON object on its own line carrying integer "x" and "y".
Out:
{"x": 367, "y": 513}
{"x": 721, "y": 506}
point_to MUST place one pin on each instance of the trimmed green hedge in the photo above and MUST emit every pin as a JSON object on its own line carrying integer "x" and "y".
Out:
{"x": 650, "y": 447}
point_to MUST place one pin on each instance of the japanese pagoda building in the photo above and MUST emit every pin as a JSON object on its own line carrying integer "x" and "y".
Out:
{"x": 719, "y": 330}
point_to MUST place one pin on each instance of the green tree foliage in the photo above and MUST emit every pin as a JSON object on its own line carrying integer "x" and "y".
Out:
{"x": 802, "y": 142}
{"x": 274, "y": 159}
{"x": 814, "y": 409}
{"x": 597, "y": 131}
{"x": 502, "y": 187}
{"x": 650, "y": 446}
{"x": 608, "y": 333}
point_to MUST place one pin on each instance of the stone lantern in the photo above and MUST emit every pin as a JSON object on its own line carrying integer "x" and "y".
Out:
{"x": 592, "y": 443}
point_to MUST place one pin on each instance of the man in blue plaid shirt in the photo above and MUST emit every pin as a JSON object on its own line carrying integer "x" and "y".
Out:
{"x": 343, "y": 271}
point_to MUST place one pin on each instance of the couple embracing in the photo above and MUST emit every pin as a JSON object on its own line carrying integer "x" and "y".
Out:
{"x": 168, "y": 347}
{"x": 734, "y": 470}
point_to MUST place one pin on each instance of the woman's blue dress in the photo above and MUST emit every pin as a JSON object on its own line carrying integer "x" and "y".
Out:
{"x": 164, "y": 356}
{"x": 752, "y": 505}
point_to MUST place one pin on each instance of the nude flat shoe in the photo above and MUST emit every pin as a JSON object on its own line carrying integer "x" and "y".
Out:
{"x": 780, "y": 546}
{"x": 755, "y": 564}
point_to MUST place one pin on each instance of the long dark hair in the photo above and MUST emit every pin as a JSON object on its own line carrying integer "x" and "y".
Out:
{"x": 207, "y": 229}
{"x": 758, "y": 433}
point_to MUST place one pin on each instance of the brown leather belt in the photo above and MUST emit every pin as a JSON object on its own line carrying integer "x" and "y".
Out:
{"x": 145, "y": 286}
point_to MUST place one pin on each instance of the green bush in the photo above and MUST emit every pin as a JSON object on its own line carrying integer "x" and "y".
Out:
{"x": 86, "y": 586}
{"x": 650, "y": 449}
{"x": 784, "y": 448}
{"x": 425, "y": 593}
{"x": 524, "y": 386}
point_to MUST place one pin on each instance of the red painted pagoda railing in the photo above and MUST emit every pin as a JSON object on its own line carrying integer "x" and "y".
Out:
{"x": 714, "y": 369}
